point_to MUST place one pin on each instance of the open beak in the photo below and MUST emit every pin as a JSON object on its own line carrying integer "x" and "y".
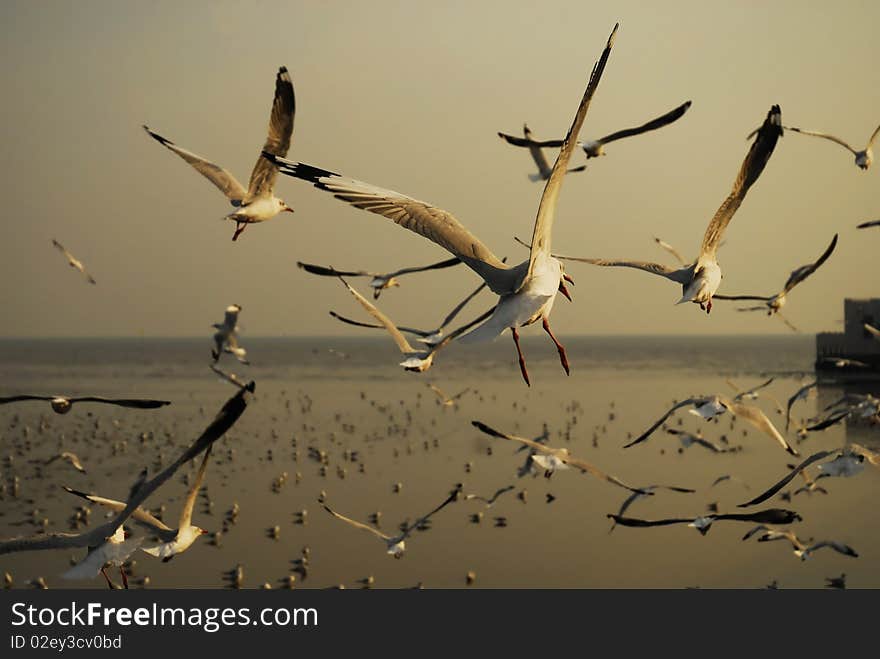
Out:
{"x": 287, "y": 209}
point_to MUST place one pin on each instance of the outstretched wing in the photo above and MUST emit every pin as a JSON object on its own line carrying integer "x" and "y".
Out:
{"x": 453, "y": 496}
{"x": 220, "y": 177}
{"x": 754, "y": 163}
{"x": 422, "y": 218}
{"x": 384, "y": 320}
{"x": 669, "y": 248}
{"x": 825, "y": 136}
{"x": 659, "y": 422}
{"x": 591, "y": 469}
{"x": 143, "y": 404}
{"x": 15, "y": 399}
{"x": 357, "y": 525}
{"x": 547, "y": 209}
{"x": 448, "y": 263}
{"x": 278, "y": 140}
{"x": 188, "y": 505}
{"x": 654, "y": 124}
{"x": 680, "y": 275}
{"x": 773, "y": 489}
{"x": 799, "y": 274}
{"x": 408, "y": 330}
{"x": 479, "y": 425}
{"x": 140, "y": 515}
{"x": 332, "y": 272}
{"x": 757, "y": 418}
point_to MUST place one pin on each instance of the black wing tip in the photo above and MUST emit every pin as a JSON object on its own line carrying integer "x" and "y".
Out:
{"x": 282, "y": 70}
{"x": 161, "y": 140}
{"x": 479, "y": 425}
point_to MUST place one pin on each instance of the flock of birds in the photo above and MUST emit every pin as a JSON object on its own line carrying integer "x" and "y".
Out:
{"x": 525, "y": 294}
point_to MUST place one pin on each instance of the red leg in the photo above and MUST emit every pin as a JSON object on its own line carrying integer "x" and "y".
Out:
{"x": 522, "y": 361}
{"x": 109, "y": 583}
{"x": 709, "y": 306}
{"x": 124, "y": 577}
{"x": 563, "y": 359}
{"x": 239, "y": 228}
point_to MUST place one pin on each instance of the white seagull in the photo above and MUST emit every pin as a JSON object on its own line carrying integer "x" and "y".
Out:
{"x": 226, "y": 336}
{"x": 595, "y": 148}
{"x": 72, "y": 458}
{"x": 396, "y": 545}
{"x": 701, "y": 279}
{"x": 258, "y": 203}
{"x": 173, "y": 541}
{"x": 415, "y": 360}
{"x": 708, "y": 407}
{"x": 73, "y": 261}
{"x": 537, "y": 154}
{"x": 801, "y": 549}
{"x": 527, "y": 290}
{"x": 114, "y": 551}
{"x": 443, "y": 399}
{"x": 380, "y": 280}
{"x": 551, "y": 459}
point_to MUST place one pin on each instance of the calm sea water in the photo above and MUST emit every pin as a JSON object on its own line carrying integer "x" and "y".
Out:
{"x": 380, "y": 427}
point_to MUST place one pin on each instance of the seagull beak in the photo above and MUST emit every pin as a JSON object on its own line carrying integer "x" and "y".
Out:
{"x": 287, "y": 209}
{"x": 564, "y": 291}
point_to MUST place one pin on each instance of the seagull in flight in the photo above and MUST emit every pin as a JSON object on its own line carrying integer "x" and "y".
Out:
{"x": 800, "y": 394}
{"x": 748, "y": 394}
{"x": 258, "y": 202}
{"x": 526, "y": 291}
{"x": 847, "y": 461}
{"x": 801, "y": 549}
{"x": 73, "y": 261}
{"x": 646, "y": 491}
{"x": 864, "y": 157}
{"x": 537, "y": 154}
{"x": 688, "y": 439}
{"x": 444, "y": 400}
{"x": 396, "y": 545}
{"x": 172, "y": 541}
{"x": 114, "y": 551}
{"x": 596, "y": 148}
{"x": 490, "y": 500}
{"x": 551, "y": 459}
{"x": 415, "y": 360}
{"x": 226, "y": 336}
{"x": 701, "y": 279}
{"x": 72, "y": 458}
{"x": 708, "y": 407}
{"x": 773, "y": 303}
{"x": 379, "y": 281}
{"x": 62, "y": 404}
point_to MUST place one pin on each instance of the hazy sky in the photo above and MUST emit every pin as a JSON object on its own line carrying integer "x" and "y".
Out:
{"x": 409, "y": 96}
